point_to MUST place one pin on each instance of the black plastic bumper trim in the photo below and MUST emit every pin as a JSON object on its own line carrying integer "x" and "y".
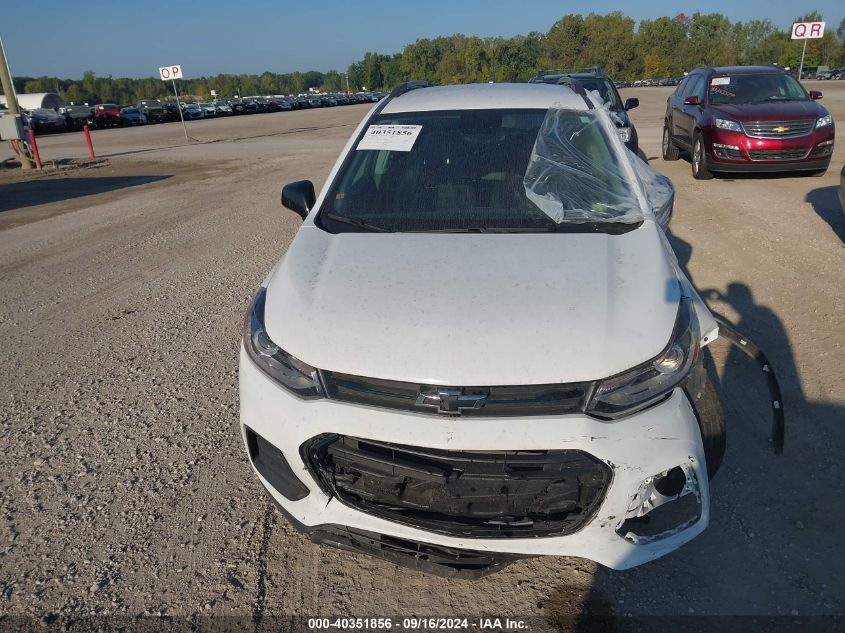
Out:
{"x": 271, "y": 463}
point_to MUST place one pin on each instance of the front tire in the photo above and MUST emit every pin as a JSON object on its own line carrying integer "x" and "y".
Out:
{"x": 670, "y": 150}
{"x": 699, "y": 159}
{"x": 711, "y": 421}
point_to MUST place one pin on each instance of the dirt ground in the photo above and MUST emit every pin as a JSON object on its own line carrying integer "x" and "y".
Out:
{"x": 124, "y": 487}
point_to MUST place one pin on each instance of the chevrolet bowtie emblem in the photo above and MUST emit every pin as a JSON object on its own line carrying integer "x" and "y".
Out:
{"x": 450, "y": 401}
{"x": 780, "y": 128}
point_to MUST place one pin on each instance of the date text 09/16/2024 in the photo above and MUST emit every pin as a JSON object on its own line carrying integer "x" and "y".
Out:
{"x": 417, "y": 623}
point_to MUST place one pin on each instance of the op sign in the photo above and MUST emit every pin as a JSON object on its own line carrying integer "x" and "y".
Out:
{"x": 170, "y": 72}
{"x": 807, "y": 30}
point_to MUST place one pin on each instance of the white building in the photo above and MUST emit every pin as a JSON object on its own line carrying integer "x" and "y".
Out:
{"x": 49, "y": 100}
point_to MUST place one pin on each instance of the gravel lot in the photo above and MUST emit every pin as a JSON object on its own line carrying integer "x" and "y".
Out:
{"x": 124, "y": 487}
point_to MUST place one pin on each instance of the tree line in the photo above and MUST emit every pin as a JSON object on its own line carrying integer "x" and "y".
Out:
{"x": 652, "y": 49}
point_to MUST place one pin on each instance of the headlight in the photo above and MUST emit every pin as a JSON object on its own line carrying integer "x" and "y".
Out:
{"x": 637, "y": 388}
{"x": 624, "y": 134}
{"x": 825, "y": 121}
{"x": 290, "y": 372}
{"x": 727, "y": 124}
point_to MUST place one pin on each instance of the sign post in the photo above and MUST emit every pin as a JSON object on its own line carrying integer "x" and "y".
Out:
{"x": 173, "y": 73}
{"x": 806, "y": 31}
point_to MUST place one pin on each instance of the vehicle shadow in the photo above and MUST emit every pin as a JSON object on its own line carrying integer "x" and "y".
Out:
{"x": 31, "y": 193}
{"x": 772, "y": 539}
{"x": 731, "y": 176}
{"x": 825, "y": 201}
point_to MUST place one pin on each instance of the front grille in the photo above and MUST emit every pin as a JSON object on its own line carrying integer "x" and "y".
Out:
{"x": 480, "y": 494}
{"x": 519, "y": 400}
{"x": 777, "y": 154}
{"x": 778, "y": 129}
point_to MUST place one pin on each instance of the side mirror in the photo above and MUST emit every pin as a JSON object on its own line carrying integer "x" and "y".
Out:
{"x": 815, "y": 95}
{"x": 299, "y": 197}
{"x": 692, "y": 100}
{"x": 632, "y": 103}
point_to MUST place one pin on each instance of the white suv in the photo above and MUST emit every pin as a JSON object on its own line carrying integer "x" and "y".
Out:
{"x": 479, "y": 345}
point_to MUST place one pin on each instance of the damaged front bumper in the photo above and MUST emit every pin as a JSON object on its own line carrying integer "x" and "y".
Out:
{"x": 610, "y": 504}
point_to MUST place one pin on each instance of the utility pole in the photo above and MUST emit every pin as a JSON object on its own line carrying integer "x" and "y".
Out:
{"x": 11, "y": 101}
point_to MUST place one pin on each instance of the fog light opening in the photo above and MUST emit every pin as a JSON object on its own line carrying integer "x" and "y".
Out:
{"x": 671, "y": 483}
{"x": 270, "y": 462}
{"x": 665, "y": 504}
{"x": 727, "y": 151}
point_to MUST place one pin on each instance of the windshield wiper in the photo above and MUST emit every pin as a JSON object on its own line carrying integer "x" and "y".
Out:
{"x": 611, "y": 228}
{"x": 550, "y": 228}
{"x": 767, "y": 100}
{"x": 354, "y": 222}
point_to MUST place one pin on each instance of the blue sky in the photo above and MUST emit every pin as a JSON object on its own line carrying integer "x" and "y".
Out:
{"x": 251, "y": 36}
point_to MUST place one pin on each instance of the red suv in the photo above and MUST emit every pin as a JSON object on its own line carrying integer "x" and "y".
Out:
{"x": 106, "y": 115}
{"x": 747, "y": 118}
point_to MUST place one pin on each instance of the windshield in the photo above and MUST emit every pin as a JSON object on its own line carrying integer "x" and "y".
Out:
{"x": 479, "y": 170}
{"x": 755, "y": 89}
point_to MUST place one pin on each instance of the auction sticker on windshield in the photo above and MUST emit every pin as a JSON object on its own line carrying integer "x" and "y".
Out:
{"x": 397, "y": 138}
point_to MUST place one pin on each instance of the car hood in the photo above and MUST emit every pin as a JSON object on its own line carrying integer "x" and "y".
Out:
{"x": 770, "y": 111}
{"x": 45, "y": 115}
{"x": 474, "y": 309}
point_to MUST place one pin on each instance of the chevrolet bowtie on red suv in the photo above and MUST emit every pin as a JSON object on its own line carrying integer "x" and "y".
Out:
{"x": 747, "y": 118}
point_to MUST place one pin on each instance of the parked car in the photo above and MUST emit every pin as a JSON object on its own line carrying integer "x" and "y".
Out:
{"x": 172, "y": 112}
{"x": 43, "y": 120}
{"x": 278, "y": 104}
{"x": 153, "y": 110}
{"x": 237, "y": 106}
{"x": 545, "y": 426}
{"x": 315, "y": 101}
{"x": 747, "y": 118}
{"x": 132, "y": 116}
{"x": 222, "y": 108}
{"x": 261, "y": 104}
{"x": 250, "y": 106}
{"x": 595, "y": 79}
{"x": 193, "y": 111}
{"x": 208, "y": 109}
{"x": 106, "y": 115}
{"x": 77, "y": 116}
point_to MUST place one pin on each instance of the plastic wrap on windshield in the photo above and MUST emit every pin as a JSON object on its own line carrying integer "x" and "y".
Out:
{"x": 578, "y": 171}
{"x": 658, "y": 189}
